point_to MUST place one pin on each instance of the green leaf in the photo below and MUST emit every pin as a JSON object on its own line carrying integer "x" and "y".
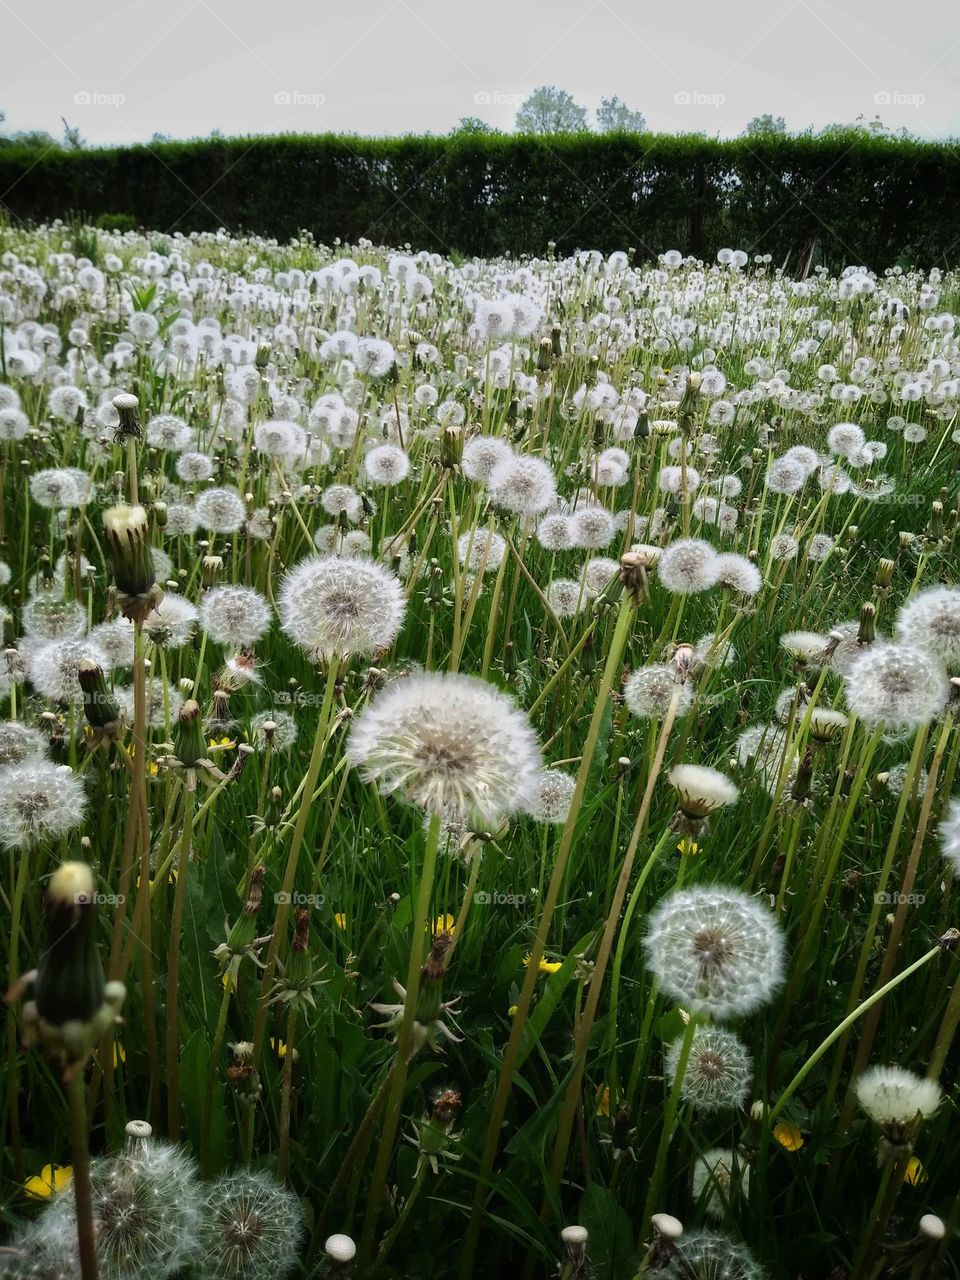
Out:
{"x": 610, "y": 1245}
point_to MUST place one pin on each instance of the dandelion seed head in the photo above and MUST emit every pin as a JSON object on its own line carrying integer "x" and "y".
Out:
{"x": 552, "y": 796}
{"x": 688, "y": 566}
{"x": 38, "y": 801}
{"x": 234, "y": 616}
{"x": 718, "y": 1072}
{"x": 715, "y": 950}
{"x": 648, "y": 691}
{"x": 450, "y": 744}
{"x": 897, "y": 686}
{"x": 335, "y": 607}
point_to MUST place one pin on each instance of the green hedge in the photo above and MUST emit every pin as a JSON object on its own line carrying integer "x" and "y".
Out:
{"x": 844, "y": 198}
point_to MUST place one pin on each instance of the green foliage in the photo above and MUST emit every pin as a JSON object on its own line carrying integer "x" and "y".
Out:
{"x": 551, "y": 110}
{"x": 853, "y": 197}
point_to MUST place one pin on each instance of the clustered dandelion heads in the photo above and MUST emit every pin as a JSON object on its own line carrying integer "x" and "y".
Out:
{"x": 555, "y": 529}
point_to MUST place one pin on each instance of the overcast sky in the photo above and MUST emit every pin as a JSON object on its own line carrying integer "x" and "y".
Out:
{"x": 122, "y": 72}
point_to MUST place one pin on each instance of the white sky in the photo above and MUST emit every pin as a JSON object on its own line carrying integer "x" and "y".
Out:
{"x": 186, "y": 67}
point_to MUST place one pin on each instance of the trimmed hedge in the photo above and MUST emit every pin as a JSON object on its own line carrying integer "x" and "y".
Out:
{"x": 841, "y": 198}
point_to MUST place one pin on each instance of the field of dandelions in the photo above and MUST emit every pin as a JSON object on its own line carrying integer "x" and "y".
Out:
{"x": 476, "y": 766}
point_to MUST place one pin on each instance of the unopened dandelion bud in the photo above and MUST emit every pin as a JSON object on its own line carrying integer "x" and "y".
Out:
{"x": 99, "y": 705}
{"x": 932, "y": 1227}
{"x": 555, "y": 344}
{"x": 642, "y": 429}
{"x": 212, "y": 569}
{"x": 935, "y": 528}
{"x": 867, "y": 632}
{"x": 73, "y": 1006}
{"x": 128, "y": 410}
{"x": 189, "y": 746}
{"x": 340, "y": 1249}
{"x": 667, "y": 1226}
{"x": 683, "y": 662}
{"x": 575, "y": 1264}
{"x": 127, "y": 531}
{"x": 884, "y": 574}
{"x": 510, "y": 658}
{"x": 262, "y": 358}
{"x": 826, "y": 724}
{"x": 700, "y": 792}
{"x": 633, "y": 574}
{"x": 451, "y": 446}
{"x": 136, "y": 1140}
{"x": 545, "y": 355}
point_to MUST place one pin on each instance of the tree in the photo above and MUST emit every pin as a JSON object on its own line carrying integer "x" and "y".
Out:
{"x": 71, "y": 137}
{"x": 765, "y": 125}
{"x": 551, "y": 110}
{"x": 472, "y": 124}
{"x": 614, "y": 116}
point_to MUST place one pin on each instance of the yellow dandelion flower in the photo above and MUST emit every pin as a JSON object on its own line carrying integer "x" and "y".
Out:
{"x": 688, "y": 847}
{"x": 119, "y": 1054}
{"x": 51, "y": 1178}
{"x": 914, "y": 1173}
{"x": 444, "y": 924}
{"x": 340, "y": 920}
{"x": 789, "y": 1136}
{"x": 603, "y": 1099}
{"x": 545, "y": 966}
{"x": 512, "y": 1011}
{"x": 221, "y": 744}
{"x": 279, "y": 1047}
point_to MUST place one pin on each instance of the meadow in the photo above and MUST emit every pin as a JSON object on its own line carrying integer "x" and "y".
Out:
{"x": 478, "y": 769}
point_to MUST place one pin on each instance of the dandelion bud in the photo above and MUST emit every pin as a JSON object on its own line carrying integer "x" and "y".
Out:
{"x": 935, "y": 528}
{"x": 867, "y": 632}
{"x": 127, "y": 532}
{"x": 545, "y": 355}
{"x": 136, "y": 1139}
{"x": 73, "y": 1006}
{"x": 128, "y": 408}
{"x": 99, "y": 705}
{"x": 451, "y": 446}
{"x": 555, "y": 345}
{"x": 340, "y": 1249}
{"x": 700, "y": 792}
{"x": 212, "y": 569}
{"x": 633, "y": 574}
{"x": 884, "y": 574}
{"x": 667, "y": 1226}
{"x": 243, "y": 1075}
{"x": 932, "y": 1227}
{"x": 189, "y": 745}
{"x": 576, "y": 1264}
{"x": 262, "y": 358}
{"x": 158, "y": 510}
{"x": 826, "y": 725}
{"x": 905, "y": 538}
{"x": 898, "y": 1102}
